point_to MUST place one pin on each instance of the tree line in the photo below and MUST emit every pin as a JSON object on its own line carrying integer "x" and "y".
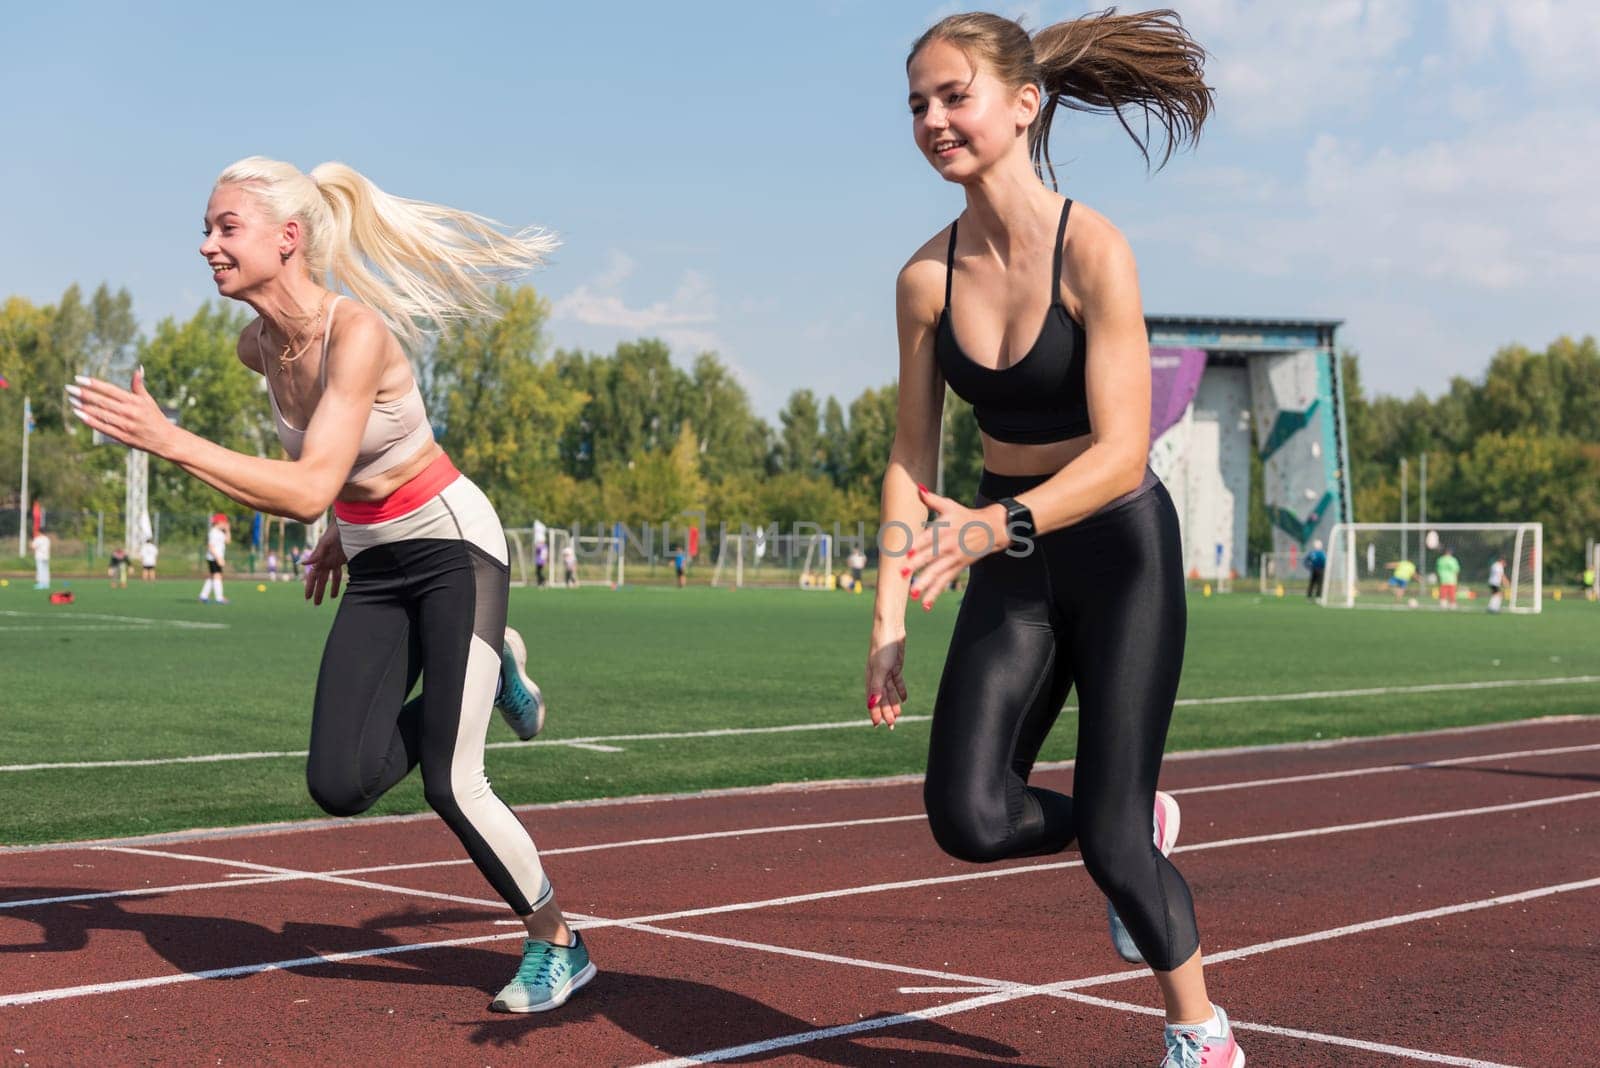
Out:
{"x": 567, "y": 436}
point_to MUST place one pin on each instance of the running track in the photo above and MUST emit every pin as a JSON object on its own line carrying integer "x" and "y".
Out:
{"x": 1445, "y": 911}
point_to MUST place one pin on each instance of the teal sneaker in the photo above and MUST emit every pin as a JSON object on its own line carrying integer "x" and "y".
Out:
{"x": 519, "y": 699}
{"x": 1167, "y": 819}
{"x": 548, "y": 976}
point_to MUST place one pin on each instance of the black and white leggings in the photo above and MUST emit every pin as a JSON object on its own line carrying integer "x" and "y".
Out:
{"x": 1099, "y": 605}
{"x": 426, "y": 597}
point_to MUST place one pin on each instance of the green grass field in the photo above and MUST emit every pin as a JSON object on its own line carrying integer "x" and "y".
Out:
{"x": 124, "y": 675}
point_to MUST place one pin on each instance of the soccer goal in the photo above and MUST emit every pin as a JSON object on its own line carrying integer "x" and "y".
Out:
{"x": 1396, "y": 565}
{"x": 732, "y": 554}
{"x": 817, "y": 572}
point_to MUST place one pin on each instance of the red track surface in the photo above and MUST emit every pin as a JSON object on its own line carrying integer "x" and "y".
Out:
{"x": 1507, "y": 983}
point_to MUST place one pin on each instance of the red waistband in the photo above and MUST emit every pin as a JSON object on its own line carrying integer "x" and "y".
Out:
{"x": 403, "y": 501}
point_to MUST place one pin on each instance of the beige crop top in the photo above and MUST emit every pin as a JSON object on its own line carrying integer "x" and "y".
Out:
{"x": 395, "y": 430}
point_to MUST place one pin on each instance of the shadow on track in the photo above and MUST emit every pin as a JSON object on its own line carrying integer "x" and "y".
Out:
{"x": 681, "y": 1017}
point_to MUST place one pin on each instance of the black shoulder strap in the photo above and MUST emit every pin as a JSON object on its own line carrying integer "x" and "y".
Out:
{"x": 1061, "y": 236}
{"x": 949, "y": 264}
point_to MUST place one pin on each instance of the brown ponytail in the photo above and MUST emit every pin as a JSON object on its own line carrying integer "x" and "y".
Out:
{"x": 1100, "y": 63}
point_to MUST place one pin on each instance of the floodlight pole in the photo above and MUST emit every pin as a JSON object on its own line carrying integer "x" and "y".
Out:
{"x": 22, "y": 506}
{"x": 1403, "y": 481}
{"x": 1422, "y": 513}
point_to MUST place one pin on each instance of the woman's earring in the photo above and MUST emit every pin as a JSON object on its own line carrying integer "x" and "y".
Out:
{"x": 283, "y": 257}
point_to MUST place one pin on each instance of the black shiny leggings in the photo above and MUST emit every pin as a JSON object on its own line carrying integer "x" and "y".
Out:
{"x": 1099, "y": 604}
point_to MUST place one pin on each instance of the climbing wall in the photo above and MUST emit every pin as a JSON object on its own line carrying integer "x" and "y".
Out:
{"x": 1293, "y": 399}
{"x": 1204, "y": 459}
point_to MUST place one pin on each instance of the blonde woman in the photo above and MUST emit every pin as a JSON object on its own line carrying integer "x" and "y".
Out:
{"x": 428, "y": 574}
{"x": 1028, "y": 306}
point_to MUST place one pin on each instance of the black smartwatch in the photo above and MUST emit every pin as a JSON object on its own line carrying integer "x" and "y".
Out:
{"x": 1019, "y": 519}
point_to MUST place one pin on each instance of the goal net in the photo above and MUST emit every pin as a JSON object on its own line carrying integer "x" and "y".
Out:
{"x": 594, "y": 557}
{"x": 817, "y": 571}
{"x": 1397, "y": 565}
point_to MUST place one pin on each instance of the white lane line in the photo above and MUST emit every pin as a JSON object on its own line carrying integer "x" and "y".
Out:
{"x": 36, "y": 996}
{"x": 539, "y": 743}
{"x": 73, "y": 615}
{"x": 1381, "y": 769}
{"x": 594, "y": 748}
{"x": 248, "y": 877}
{"x": 57, "y": 628}
{"x": 1392, "y": 821}
{"x": 1010, "y": 992}
{"x": 343, "y": 873}
{"x": 1052, "y": 989}
{"x": 234, "y": 879}
{"x": 732, "y": 732}
{"x": 982, "y": 985}
{"x": 1024, "y": 869}
{"x": 306, "y": 826}
{"x": 213, "y": 758}
{"x": 1405, "y": 1052}
{"x": 292, "y": 873}
{"x": 1389, "y": 691}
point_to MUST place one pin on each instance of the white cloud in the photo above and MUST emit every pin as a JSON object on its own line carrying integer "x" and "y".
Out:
{"x": 1507, "y": 205}
{"x": 687, "y": 317}
{"x": 1556, "y": 40}
{"x": 1276, "y": 65}
{"x": 689, "y": 321}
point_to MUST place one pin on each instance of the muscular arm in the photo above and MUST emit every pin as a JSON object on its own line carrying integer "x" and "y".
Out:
{"x": 299, "y": 489}
{"x": 1117, "y": 379}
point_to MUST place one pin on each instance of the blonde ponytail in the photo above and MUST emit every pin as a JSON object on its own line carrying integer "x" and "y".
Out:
{"x": 414, "y": 262}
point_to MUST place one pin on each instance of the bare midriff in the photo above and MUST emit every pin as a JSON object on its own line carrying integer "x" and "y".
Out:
{"x": 1013, "y": 458}
{"x": 382, "y": 485}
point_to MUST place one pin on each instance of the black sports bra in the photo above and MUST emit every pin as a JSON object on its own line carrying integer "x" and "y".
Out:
{"x": 1039, "y": 398}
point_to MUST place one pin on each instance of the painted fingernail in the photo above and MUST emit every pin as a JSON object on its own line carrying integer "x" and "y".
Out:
{"x": 82, "y": 380}
{"x": 921, "y": 487}
{"x": 914, "y": 593}
{"x": 74, "y": 391}
{"x": 872, "y": 702}
{"x": 905, "y": 572}
{"x": 928, "y": 607}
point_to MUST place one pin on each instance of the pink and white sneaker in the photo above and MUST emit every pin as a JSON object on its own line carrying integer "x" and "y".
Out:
{"x": 1167, "y": 820}
{"x": 1193, "y": 1047}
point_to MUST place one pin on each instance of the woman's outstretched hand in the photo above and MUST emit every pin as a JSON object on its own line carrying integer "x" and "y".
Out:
{"x": 955, "y": 538}
{"x": 886, "y": 686}
{"x": 324, "y": 566}
{"x": 129, "y": 415}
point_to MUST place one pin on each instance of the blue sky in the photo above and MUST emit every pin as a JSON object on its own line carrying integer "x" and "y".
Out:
{"x": 740, "y": 176}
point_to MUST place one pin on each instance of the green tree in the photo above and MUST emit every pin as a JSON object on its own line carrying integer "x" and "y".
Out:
{"x": 834, "y": 447}
{"x": 732, "y": 440}
{"x": 112, "y": 333}
{"x": 800, "y": 436}
{"x": 659, "y": 486}
{"x": 872, "y": 422}
{"x": 193, "y": 367}
{"x": 963, "y": 449}
{"x": 505, "y": 408}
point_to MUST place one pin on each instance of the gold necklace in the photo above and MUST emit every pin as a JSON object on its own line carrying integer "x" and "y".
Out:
{"x": 293, "y": 349}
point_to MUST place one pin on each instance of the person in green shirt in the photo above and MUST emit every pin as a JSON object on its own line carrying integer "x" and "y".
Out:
{"x": 1404, "y": 571}
{"x": 1448, "y": 568}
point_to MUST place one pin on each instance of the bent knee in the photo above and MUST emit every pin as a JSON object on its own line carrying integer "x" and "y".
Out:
{"x": 339, "y": 798}
{"x": 966, "y": 836}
